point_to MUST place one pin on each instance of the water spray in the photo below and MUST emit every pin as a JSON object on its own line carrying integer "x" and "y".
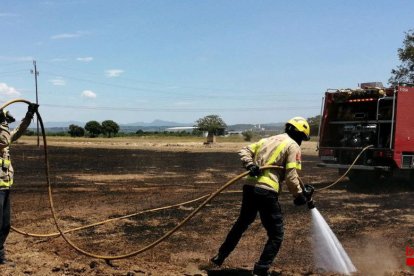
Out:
{"x": 329, "y": 255}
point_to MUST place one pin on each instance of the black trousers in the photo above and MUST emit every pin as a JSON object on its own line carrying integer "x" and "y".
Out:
{"x": 4, "y": 219}
{"x": 265, "y": 202}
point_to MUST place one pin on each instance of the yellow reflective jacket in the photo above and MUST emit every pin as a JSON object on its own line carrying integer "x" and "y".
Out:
{"x": 6, "y": 138}
{"x": 278, "y": 150}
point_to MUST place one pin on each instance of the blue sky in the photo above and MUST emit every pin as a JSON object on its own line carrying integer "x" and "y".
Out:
{"x": 246, "y": 61}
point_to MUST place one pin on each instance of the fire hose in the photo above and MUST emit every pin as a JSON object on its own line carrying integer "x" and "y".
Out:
{"x": 63, "y": 233}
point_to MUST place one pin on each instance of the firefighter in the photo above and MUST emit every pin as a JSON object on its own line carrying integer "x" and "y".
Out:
{"x": 6, "y": 173}
{"x": 261, "y": 193}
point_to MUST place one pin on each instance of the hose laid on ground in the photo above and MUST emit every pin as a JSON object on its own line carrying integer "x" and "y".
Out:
{"x": 346, "y": 172}
{"x": 57, "y": 234}
{"x": 151, "y": 245}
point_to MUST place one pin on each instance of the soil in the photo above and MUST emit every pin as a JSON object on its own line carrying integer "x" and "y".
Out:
{"x": 96, "y": 181}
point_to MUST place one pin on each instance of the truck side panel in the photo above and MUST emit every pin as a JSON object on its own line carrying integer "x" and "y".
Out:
{"x": 404, "y": 126}
{"x": 324, "y": 119}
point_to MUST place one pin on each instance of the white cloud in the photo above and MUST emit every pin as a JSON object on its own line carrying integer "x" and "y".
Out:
{"x": 58, "y": 81}
{"x": 69, "y": 35}
{"x": 113, "y": 73}
{"x": 84, "y": 59}
{"x": 88, "y": 94}
{"x": 8, "y": 91}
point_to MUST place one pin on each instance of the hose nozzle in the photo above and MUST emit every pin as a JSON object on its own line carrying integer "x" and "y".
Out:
{"x": 308, "y": 192}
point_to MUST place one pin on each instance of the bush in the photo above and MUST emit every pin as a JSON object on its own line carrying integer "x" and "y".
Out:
{"x": 248, "y": 135}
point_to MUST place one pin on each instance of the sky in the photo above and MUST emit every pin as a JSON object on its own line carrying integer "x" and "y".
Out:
{"x": 246, "y": 61}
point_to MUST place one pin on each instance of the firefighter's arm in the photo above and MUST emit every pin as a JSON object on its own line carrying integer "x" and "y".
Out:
{"x": 293, "y": 164}
{"x": 4, "y": 136}
{"x": 21, "y": 128}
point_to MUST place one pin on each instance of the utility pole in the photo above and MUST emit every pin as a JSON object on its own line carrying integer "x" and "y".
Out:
{"x": 36, "y": 73}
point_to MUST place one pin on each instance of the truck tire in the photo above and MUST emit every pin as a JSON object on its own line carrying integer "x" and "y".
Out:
{"x": 364, "y": 178}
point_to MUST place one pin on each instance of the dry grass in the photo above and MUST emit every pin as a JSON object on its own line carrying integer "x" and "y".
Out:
{"x": 194, "y": 144}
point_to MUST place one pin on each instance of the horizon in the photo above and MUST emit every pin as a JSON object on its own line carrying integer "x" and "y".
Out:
{"x": 155, "y": 122}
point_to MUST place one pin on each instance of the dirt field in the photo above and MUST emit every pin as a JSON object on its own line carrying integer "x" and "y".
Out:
{"x": 97, "y": 180}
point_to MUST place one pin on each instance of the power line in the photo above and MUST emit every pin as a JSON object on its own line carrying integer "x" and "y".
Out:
{"x": 221, "y": 90}
{"x": 171, "y": 109}
{"x": 156, "y": 83}
{"x": 175, "y": 94}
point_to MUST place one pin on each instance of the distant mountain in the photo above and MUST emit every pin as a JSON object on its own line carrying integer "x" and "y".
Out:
{"x": 157, "y": 122}
{"x": 268, "y": 126}
{"x": 62, "y": 124}
{"x": 273, "y": 125}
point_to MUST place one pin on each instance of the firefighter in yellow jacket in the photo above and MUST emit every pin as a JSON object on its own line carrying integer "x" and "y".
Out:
{"x": 6, "y": 173}
{"x": 261, "y": 194}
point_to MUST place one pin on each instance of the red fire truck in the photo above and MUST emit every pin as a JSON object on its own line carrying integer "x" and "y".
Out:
{"x": 353, "y": 119}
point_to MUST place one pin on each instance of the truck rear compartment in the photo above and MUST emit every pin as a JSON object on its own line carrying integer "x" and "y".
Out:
{"x": 353, "y": 119}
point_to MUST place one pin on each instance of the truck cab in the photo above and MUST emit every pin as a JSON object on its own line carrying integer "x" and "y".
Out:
{"x": 372, "y": 118}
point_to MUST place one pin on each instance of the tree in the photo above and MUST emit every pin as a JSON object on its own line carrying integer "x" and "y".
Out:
{"x": 213, "y": 124}
{"x": 405, "y": 72}
{"x": 76, "y": 131}
{"x": 94, "y": 128}
{"x": 109, "y": 127}
{"x": 314, "y": 125}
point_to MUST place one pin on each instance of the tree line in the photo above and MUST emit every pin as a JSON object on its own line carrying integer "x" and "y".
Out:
{"x": 93, "y": 129}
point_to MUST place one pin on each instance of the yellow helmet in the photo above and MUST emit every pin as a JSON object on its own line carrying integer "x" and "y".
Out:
{"x": 301, "y": 125}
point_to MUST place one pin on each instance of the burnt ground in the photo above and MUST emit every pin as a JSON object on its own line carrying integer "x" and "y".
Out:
{"x": 374, "y": 223}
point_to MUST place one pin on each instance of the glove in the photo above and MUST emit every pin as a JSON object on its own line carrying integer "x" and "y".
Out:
{"x": 2, "y": 116}
{"x": 308, "y": 191}
{"x": 6, "y": 117}
{"x": 32, "y": 108}
{"x": 254, "y": 170}
{"x": 299, "y": 200}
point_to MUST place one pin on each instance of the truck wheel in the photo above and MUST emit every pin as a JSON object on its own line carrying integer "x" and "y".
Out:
{"x": 364, "y": 178}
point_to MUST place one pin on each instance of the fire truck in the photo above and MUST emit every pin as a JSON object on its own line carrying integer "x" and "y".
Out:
{"x": 372, "y": 116}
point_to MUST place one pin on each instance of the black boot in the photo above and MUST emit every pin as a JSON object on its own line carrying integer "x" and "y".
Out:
{"x": 2, "y": 257}
{"x": 260, "y": 271}
{"x": 217, "y": 260}
{"x": 4, "y": 261}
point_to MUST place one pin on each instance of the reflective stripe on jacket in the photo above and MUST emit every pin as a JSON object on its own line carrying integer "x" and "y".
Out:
{"x": 278, "y": 150}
